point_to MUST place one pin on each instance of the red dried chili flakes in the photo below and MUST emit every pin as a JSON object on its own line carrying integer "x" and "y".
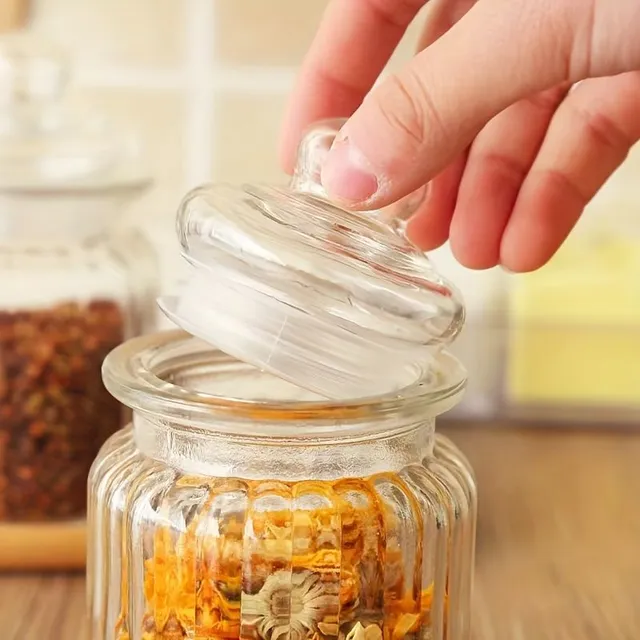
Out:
{"x": 55, "y": 413}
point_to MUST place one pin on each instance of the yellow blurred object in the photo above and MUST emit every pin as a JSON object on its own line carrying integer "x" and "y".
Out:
{"x": 574, "y": 335}
{"x": 13, "y": 14}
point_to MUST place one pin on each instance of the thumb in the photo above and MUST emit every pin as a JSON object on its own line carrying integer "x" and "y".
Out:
{"x": 414, "y": 123}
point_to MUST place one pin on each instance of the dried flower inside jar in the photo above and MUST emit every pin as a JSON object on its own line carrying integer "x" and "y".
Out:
{"x": 315, "y": 573}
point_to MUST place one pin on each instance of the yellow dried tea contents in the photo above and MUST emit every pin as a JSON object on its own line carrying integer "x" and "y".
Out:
{"x": 372, "y": 632}
{"x": 330, "y": 566}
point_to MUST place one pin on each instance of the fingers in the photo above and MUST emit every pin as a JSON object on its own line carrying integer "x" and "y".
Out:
{"x": 499, "y": 160}
{"x": 588, "y": 138}
{"x": 429, "y": 226}
{"x": 441, "y": 16}
{"x": 415, "y": 123}
{"x": 352, "y": 46}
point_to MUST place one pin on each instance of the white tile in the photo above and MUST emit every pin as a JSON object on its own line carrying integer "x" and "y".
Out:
{"x": 115, "y": 32}
{"x": 246, "y": 138}
{"x": 265, "y": 32}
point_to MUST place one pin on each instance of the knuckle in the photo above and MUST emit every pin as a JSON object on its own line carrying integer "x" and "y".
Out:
{"x": 581, "y": 63}
{"x": 403, "y": 112}
{"x": 559, "y": 181}
{"x": 603, "y": 129}
{"x": 409, "y": 109}
{"x": 507, "y": 167}
{"x": 548, "y": 100}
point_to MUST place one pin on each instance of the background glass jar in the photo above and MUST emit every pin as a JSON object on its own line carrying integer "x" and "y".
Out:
{"x": 238, "y": 505}
{"x": 72, "y": 289}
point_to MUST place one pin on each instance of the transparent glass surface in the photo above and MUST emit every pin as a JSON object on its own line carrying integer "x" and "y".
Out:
{"x": 335, "y": 301}
{"x": 44, "y": 142}
{"x": 238, "y": 505}
{"x": 63, "y": 308}
{"x": 72, "y": 286}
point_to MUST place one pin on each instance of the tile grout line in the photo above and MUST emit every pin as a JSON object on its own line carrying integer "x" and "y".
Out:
{"x": 255, "y": 80}
{"x": 210, "y": 77}
{"x": 245, "y": 80}
{"x": 199, "y": 112}
{"x": 198, "y": 106}
{"x": 130, "y": 78}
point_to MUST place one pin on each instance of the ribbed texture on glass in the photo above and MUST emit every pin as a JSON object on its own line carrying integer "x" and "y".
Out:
{"x": 385, "y": 557}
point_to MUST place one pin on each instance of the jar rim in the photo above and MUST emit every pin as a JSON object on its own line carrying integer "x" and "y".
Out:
{"x": 133, "y": 374}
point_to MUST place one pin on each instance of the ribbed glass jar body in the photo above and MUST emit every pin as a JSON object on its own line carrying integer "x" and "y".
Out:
{"x": 274, "y": 515}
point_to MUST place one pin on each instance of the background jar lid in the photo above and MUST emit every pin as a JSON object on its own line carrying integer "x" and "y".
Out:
{"x": 45, "y": 145}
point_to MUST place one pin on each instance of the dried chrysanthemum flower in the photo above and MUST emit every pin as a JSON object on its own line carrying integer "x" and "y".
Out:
{"x": 407, "y": 623}
{"x": 303, "y": 576}
{"x": 360, "y": 632}
{"x": 289, "y": 605}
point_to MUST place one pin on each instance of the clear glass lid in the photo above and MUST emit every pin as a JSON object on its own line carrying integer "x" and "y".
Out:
{"x": 45, "y": 144}
{"x": 335, "y": 301}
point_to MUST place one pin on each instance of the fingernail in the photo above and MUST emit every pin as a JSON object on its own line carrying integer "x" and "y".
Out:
{"x": 347, "y": 174}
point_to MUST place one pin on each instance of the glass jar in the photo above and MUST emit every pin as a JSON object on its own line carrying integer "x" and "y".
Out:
{"x": 294, "y": 487}
{"x": 73, "y": 287}
{"x": 238, "y": 505}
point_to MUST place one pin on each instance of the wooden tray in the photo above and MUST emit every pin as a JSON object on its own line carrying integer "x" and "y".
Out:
{"x": 13, "y": 14}
{"x": 43, "y": 546}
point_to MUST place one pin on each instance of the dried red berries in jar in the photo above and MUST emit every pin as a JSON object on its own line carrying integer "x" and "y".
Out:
{"x": 54, "y": 410}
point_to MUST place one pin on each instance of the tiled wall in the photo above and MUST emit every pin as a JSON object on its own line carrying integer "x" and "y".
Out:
{"x": 203, "y": 81}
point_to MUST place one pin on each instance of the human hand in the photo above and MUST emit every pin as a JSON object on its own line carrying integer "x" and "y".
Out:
{"x": 488, "y": 113}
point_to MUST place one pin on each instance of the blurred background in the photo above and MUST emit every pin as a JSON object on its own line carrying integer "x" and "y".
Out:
{"x": 203, "y": 84}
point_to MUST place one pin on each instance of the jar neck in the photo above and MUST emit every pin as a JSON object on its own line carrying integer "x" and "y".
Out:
{"x": 203, "y": 452}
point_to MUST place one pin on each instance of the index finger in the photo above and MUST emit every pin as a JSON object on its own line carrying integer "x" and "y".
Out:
{"x": 352, "y": 46}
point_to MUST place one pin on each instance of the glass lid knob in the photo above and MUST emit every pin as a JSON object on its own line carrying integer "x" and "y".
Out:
{"x": 311, "y": 156}
{"x": 47, "y": 143}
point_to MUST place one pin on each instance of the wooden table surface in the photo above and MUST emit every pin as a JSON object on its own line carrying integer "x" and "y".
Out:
{"x": 558, "y": 543}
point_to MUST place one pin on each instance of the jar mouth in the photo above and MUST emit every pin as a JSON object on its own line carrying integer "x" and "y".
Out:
{"x": 161, "y": 374}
